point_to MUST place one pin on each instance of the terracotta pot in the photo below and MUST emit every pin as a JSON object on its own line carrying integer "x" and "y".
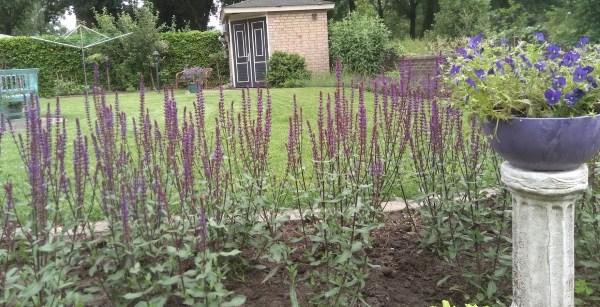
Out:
{"x": 545, "y": 144}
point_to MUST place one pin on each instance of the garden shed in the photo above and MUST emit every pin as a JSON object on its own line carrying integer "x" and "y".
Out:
{"x": 257, "y": 28}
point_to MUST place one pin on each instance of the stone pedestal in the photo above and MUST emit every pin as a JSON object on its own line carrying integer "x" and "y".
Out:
{"x": 542, "y": 234}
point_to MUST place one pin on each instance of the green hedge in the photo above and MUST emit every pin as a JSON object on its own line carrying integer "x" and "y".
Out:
{"x": 194, "y": 48}
{"x": 54, "y": 61}
{"x": 63, "y": 63}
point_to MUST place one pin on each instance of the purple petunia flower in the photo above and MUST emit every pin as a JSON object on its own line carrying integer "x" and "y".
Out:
{"x": 552, "y": 52}
{"x": 579, "y": 74}
{"x": 541, "y": 66}
{"x": 569, "y": 59}
{"x": 491, "y": 71}
{"x": 539, "y": 36}
{"x": 584, "y": 40}
{"x": 526, "y": 60}
{"x": 480, "y": 74}
{"x": 591, "y": 82}
{"x": 588, "y": 69}
{"x": 475, "y": 40}
{"x": 455, "y": 70}
{"x": 572, "y": 98}
{"x": 552, "y": 96}
{"x": 559, "y": 82}
{"x": 464, "y": 53}
{"x": 503, "y": 42}
{"x": 471, "y": 82}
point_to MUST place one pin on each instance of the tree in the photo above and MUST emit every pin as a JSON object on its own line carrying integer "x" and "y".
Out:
{"x": 430, "y": 8}
{"x": 408, "y": 8}
{"x": 86, "y": 9}
{"x": 183, "y": 13}
{"x": 459, "y": 18}
{"x": 13, "y": 13}
{"x": 136, "y": 48}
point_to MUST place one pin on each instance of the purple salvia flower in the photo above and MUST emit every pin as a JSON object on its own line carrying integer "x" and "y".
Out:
{"x": 124, "y": 207}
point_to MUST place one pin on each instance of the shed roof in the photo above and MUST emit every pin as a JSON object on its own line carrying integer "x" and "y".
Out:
{"x": 259, "y": 6}
{"x": 276, "y": 3}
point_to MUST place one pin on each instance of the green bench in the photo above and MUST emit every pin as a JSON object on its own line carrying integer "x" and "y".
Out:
{"x": 16, "y": 86}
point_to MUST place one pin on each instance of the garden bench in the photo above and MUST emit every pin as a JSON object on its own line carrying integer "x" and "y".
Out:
{"x": 16, "y": 86}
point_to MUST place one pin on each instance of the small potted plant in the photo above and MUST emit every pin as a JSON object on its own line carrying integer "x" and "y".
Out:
{"x": 537, "y": 101}
{"x": 193, "y": 76}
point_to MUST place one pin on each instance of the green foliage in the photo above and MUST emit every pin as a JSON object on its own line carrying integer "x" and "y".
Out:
{"x": 567, "y": 23}
{"x": 509, "y": 20}
{"x": 360, "y": 42}
{"x": 134, "y": 52}
{"x": 587, "y": 241}
{"x": 460, "y": 18}
{"x": 286, "y": 69}
{"x": 52, "y": 60}
{"x": 194, "y": 48}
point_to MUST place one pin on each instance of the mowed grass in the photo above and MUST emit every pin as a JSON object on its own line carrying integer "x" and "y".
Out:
{"x": 13, "y": 169}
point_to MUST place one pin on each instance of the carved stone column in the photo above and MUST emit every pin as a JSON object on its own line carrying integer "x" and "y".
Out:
{"x": 542, "y": 234}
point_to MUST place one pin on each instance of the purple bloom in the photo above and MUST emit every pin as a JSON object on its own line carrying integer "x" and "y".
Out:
{"x": 588, "y": 69}
{"x": 500, "y": 66}
{"x": 475, "y": 40}
{"x": 572, "y": 99}
{"x": 559, "y": 82}
{"x": 539, "y": 36}
{"x": 503, "y": 42}
{"x": 510, "y": 62}
{"x": 584, "y": 40}
{"x": 541, "y": 66}
{"x": 454, "y": 70}
{"x": 471, "y": 82}
{"x": 552, "y": 52}
{"x": 592, "y": 82}
{"x": 580, "y": 74}
{"x": 480, "y": 74}
{"x": 569, "y": 59}
{"x": 491, "y": 71}
{"x": 526, "y": 60}
{"x": 464, "y": 53}
{"x": 552, "y": 96}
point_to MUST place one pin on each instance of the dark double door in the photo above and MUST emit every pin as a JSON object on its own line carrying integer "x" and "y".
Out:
{"x": 250, "y": 51}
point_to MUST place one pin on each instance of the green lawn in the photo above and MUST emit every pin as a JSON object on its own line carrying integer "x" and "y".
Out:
{"x": 73, "y": 107}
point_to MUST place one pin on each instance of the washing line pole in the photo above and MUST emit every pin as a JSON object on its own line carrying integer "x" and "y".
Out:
{"x": 82, "y": 45}
{"x": 83, "y": 59}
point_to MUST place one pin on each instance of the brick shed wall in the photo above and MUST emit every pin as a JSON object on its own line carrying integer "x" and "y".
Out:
{"x": 297, "y": 32}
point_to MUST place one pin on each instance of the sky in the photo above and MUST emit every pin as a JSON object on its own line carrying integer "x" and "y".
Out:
{"x": 69, "y": 21}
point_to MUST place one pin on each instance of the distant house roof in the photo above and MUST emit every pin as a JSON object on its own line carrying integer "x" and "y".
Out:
{"x": 255, "y": 6}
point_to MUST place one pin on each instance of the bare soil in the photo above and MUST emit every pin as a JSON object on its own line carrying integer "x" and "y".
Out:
{"x": 407, "y": 276}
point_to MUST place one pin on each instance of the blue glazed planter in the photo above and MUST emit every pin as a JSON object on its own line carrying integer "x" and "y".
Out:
{"x": 193, "y": 88}
{"x": 545, "y": 144}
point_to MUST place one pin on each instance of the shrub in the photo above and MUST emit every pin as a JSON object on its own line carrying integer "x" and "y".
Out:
{"x": 285, "y": 67}
{"x": 360, "y": 42}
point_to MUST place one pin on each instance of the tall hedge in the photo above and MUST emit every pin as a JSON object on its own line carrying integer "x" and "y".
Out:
{"x": 62, "y": 62}
{"x": 54, "y": 61}
{"x": 194, "y": 48}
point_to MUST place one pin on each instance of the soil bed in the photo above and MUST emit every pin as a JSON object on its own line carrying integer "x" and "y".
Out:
{"x": 407, "y": 276}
